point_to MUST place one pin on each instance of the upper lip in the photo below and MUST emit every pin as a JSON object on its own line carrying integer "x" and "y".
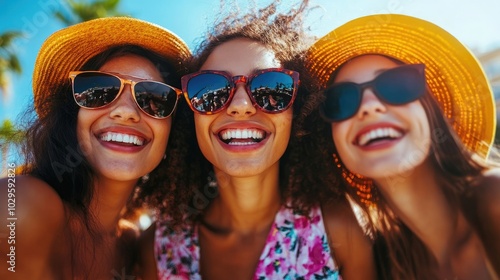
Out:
{"x": 122, "y": 134}
{"x": 378, "y": 130}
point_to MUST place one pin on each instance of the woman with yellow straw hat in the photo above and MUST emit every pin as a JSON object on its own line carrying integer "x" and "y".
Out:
{"x": 257, "y": 216}
{"x": 412, "y": 118}
{"x": 104, "y": 91}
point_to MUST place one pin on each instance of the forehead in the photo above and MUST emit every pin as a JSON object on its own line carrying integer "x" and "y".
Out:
{"x": 241, "y": 57}
{"x": 363, "y": 68}
{"x": 132, "y": 65}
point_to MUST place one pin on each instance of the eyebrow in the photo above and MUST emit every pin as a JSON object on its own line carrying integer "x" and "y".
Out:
{"x": 131, "y": 76}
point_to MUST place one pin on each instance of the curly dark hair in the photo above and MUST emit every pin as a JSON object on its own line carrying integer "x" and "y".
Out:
{"x": 189, "y": 183}
{"x": 51, "y": 150}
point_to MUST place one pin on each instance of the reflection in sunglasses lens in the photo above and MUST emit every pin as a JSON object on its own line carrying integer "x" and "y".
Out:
{"x": 97, "y": 89}
{"x": 208, "y": 92}
{"x": 93, "y": 90}
{"x": 272, "y": 91}
{"x": 155, "y": 99}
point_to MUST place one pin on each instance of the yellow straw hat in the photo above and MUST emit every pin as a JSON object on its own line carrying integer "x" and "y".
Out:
{"x": 454, "y": 75}
{"x": 70, "y": 48}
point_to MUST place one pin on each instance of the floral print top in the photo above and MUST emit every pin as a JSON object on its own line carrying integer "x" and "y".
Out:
{"x": 296, "y": 248}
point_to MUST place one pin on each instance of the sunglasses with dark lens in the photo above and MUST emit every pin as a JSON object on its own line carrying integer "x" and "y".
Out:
{"x": 271, "y": 90}
{"x": 396, "y": 86}
{"x": 95, "y": 89}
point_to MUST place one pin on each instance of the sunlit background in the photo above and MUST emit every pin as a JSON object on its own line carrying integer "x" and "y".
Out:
{"x": 24, "y": 25}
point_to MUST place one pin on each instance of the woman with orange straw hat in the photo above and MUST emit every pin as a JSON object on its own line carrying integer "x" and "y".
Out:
{"x": 412, "y": 118}
{"x": 104, "y": 91}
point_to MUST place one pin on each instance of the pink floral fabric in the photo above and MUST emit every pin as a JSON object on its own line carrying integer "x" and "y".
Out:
{"x": 296, "y": 248}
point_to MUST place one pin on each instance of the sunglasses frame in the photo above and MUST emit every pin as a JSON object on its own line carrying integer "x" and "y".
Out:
{"x": 370, "y": 84}
{"x": 233, "y": 82}
{"x": 123, "y": 82}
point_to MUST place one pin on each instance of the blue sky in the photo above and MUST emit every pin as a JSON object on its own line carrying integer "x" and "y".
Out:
{"x": 472, "y": 22}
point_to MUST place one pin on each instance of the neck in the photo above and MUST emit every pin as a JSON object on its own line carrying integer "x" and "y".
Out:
{"x": 419, "y": 201}
{"x": 246, "y": 204}
{"x": 110, "y": 197}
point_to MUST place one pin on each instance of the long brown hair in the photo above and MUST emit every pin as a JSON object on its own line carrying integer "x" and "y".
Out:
{"x": 400, "y": 254}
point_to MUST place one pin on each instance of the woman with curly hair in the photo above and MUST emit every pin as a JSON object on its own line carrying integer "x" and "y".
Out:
{"x": 412, "y": 118}
{"x": 247, "y": 210}
{"x": 104, "y": 91}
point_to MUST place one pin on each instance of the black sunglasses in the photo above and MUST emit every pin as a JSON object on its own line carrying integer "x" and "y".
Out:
{"x": 271, "y": 90}
{"x": 396, "y": 86}
{"x": 95, "y": 89}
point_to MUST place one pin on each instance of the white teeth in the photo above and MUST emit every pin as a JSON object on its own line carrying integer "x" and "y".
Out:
{"x": 122, "y": 138}
{"x": 242, "y": 134}
{"x": 386, "y": 132}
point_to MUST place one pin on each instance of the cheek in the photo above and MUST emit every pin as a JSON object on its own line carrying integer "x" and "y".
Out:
{"x": 161, "y": 130}
{"x": 341, "y": 141}
{"x": 416, "y": 115}
{"x": 283, "y": 121}
{"x": 424, "y": 127}
{"x": 202, "y": 127}
{"x": 83, "y": 128}
{"x": 283, "y": 129}
{"x": 339, "y": 134}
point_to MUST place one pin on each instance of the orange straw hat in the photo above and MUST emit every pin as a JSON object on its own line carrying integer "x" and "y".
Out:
{"x": 454, "y": 76}
{"x": 70, "y": 48}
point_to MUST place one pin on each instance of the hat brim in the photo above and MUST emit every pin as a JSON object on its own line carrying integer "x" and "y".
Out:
{"x": 454, "y": 76}
{"x": 70, "y": 48}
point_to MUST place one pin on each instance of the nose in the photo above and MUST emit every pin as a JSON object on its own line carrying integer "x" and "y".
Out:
{"x": 125, "y": 108}
{"x": 370, "y": 104}
{"x": 241, "y": 104}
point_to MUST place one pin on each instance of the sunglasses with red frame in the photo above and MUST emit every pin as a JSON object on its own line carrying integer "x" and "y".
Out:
{"x": 271, "y": 90}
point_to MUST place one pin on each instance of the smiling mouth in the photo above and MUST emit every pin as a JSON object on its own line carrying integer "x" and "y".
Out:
{"x": 122, "y": 138}
{"x": 242, "y": 137}
{"x": 379, "y": 134}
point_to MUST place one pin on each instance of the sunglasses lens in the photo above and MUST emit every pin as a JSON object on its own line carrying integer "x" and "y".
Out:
{"x": 208, "y": 92}
{"x": 396, "y": 86}
{"x": 341, "y": 101}
{"x": 94, "y": 90}
{"x": 272, "y": 91}
{"x": 155, "y": 99}
{"x": 400, "y": 85}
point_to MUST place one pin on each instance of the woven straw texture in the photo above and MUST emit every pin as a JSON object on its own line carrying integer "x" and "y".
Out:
{"x": 70, "y": 48}
{"x": 453, "y": 74}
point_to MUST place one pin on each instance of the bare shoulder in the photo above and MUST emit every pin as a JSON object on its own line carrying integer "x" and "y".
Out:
{"x": 147, "y": 262}
{"x": 33, "y": 200}
{"x": 351, "y": 247}
{"x": 129, "y": 233}
{"x": 36, "y": 218}
{"x": 484, "y": 214}
{"x": 491, "y": 178}
{"x": 148, "y": 236}
{"x": 485, "y": 193}
{"x": 482, "y": 201}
